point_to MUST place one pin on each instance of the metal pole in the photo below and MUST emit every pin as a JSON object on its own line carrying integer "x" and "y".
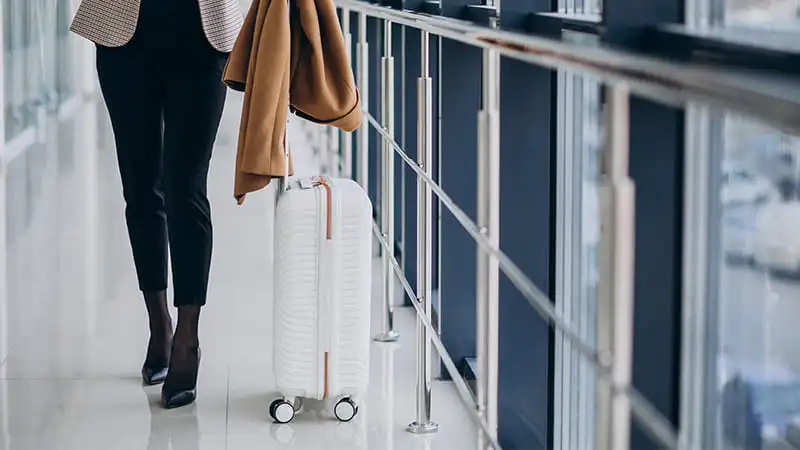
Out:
{"x": 487, "y": 269}
{"x": 388, "y": 333}
{"x": 362, "y": 69}
{"x": 346, "y": 139}
{"x": 3, "y": 249}
{"x": 423, "y": 423}
{"x": 615, "y": 286}
{"x": 332, "y": 147}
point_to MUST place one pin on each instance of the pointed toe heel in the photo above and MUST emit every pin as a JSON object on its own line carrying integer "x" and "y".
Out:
{"x": 172, "y": 400}
{"x": 152, "y": 377}
{"x": 172, "y": 397}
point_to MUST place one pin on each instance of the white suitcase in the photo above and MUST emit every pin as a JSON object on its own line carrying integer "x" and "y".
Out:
{"x": 323, "y": 248}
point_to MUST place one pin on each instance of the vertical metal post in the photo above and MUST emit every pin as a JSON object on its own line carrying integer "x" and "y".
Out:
{"x": 3, "y": 249}
{"x": 698, "y": 213}
{"x": 615, "y": 286}
{"x": 487, "y": 270}
{"x": 345, "y": 162}
{"x": 423, "y": 423}
{"x": 4, "y": 401}
{"x": 332, "y": 147}
{"x": 362, "y": 69}
{"x": 388, "y": 333}
{"x": 403, "y": 236}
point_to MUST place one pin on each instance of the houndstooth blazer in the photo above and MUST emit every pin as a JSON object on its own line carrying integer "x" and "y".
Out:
{"x": 111, "y": 23}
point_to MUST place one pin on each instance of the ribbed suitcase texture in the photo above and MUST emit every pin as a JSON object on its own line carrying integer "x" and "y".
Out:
{"x": 322, "y": 289}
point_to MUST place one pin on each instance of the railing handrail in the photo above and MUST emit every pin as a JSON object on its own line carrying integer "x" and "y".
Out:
{"x": 768, "y": 97}
{"x": 651, "y": 419}
{"x": 761, "y": 95}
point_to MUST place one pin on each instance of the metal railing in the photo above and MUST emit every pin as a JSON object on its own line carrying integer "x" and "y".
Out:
{"x": 671, "y": 83}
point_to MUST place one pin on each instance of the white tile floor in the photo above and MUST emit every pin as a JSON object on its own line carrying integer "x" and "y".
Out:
{"x": 75, "y": 329}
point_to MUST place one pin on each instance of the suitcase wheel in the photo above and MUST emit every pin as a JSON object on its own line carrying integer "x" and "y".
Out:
{"x": 345, "y": 410}
{"x": 281, "y": 411}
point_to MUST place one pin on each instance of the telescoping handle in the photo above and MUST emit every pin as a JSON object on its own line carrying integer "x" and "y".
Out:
{"x": 284, "y": 182}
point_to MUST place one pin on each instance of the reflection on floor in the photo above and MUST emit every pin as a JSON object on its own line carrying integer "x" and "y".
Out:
{"x": 75, "y": 328}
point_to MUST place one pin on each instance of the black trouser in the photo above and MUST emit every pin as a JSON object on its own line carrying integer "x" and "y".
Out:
{"x": 165, "y": 97}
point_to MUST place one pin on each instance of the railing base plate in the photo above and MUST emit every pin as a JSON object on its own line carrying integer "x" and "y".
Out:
{"x": 425, "y": 428}
{"x": 389, "y": 336}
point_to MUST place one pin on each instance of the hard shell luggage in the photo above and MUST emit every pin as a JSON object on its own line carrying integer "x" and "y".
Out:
{"x": 323, "y": 247}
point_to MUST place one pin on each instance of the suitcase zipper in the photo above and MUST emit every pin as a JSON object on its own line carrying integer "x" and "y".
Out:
{"x": 326, "y": 316}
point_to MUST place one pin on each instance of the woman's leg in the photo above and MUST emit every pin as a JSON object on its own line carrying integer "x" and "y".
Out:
{"x": 194, "y": 100}
{"x": 192, "y": 114}
{"x": 134, "y": 98}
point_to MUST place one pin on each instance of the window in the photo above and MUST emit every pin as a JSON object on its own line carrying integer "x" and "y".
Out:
{"x": 590, "y": 8}
{"x": 23, "y": 68}
{"x": 577, "y": 235}
{"x": 772, "y": 13}
{"x": 38, "y": 60}
{"x": 742, "y": 250}
{"x": 764, "y": 21}
{"x": 745, "y": 360}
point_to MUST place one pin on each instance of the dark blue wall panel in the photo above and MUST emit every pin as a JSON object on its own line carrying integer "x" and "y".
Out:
{"x": 435, "y": 42}
{"x": 461, "y": 97}
{"x": 397, "y": 52}
{"x": 656, "y": 165}
{"x": 526, "y": 210}
{"x": 409, "y": 185}
{"x": 354, "y": 36}
{"x": 375, "y": 37}
{"x": 627, "y": 21}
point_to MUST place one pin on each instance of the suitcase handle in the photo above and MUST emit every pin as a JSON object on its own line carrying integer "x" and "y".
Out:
{"x": 283, "y": 183}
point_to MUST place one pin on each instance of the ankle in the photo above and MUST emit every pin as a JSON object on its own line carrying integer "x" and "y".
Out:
{"x": 186, "y": 332}
{"x": 161, "y": 327}
{"x": 186, "y": 341}
{"x": 158, "y": 313}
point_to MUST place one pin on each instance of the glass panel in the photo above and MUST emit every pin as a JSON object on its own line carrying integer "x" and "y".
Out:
{"x": 766, "y": 22}
{"x": 66, "y": 50}
{"x": 38, "y": 59}
{"x": 19, "y": 60}
{"x": 777, "y": 19}
{"x": 581, "y": 7}
{"x": 754, "y": 359}
{"x": 577, "y": 234}
{"x": 774, "y": 13}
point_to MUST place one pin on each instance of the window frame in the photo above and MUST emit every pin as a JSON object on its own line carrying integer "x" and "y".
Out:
{"x": 577, "y": 116}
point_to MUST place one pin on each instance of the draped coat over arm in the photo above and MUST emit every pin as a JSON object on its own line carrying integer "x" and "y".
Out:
{"x": 289, "y": 55}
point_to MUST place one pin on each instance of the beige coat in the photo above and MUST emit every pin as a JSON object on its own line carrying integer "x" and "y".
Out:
{"x": 287, "y": 56}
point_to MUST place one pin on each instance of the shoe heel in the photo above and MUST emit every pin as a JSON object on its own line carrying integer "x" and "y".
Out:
{"x": 177, "y": 399}
{"x": 152, "y": 377}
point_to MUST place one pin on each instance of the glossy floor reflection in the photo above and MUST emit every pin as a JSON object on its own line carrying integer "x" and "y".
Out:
{"x": 74, "y": 328}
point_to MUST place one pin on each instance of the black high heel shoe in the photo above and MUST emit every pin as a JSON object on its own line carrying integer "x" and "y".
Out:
{"x": 156, "y": 363}
{"x": 178, "y": 396}
{"x": 152, "y": 377}
{"x": 153, "y": 374}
